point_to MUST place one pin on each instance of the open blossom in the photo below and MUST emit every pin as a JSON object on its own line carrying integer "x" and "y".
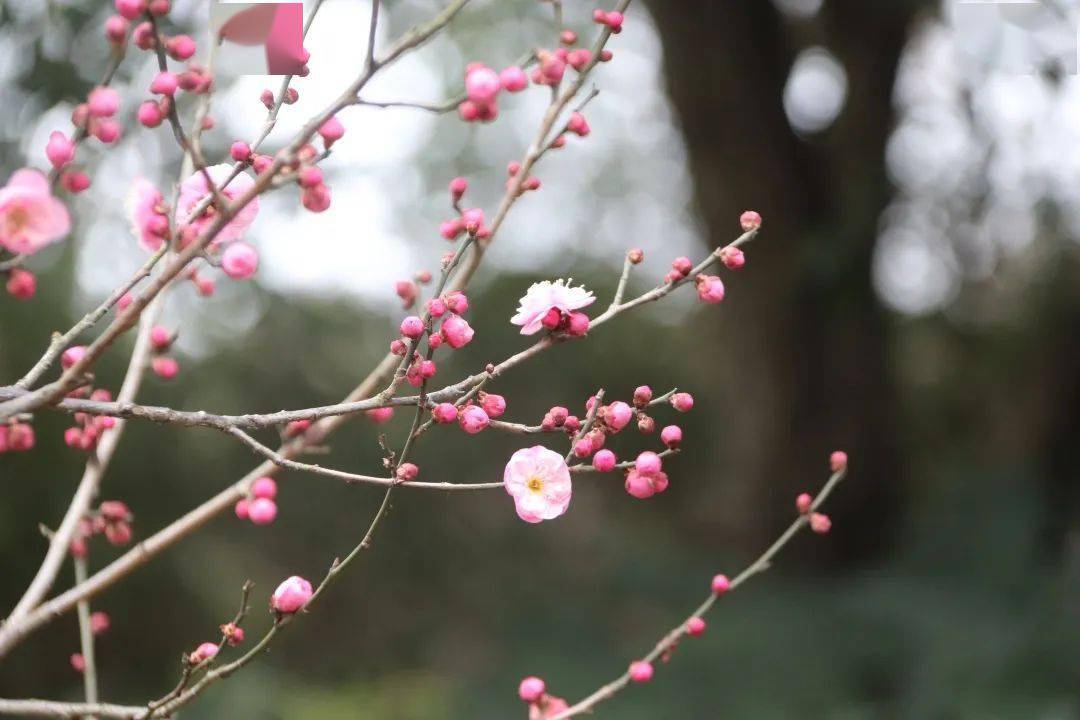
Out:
{"x": 194, "y": 189}
{"x": 539, "y": 481}
{"x": 146, "y": 212}
{"x": 545, "y": 296}
{"x": 30, "y": 217}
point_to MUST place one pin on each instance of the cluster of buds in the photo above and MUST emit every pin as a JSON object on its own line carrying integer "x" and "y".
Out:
{"x": 16, "y": 437}
{"x": 530, "y": 183}
{"x": 260, "y": 506}
{"x": 163, "y": 365}
{"x": 454, "y": 330}
{"x": 21, "y": 284}
{"x": 470, "y": 221}
{"x": 86, "y": 432}
{"x": 473, "y": 417}
{"x": 646, "y": 477}
{"x": 804, "y": 503}
{"x": 113, "y": 520}
{"x": 482, "y": 88}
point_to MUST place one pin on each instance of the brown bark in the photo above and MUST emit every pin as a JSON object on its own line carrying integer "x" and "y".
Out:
{"x": 805, "y": 339}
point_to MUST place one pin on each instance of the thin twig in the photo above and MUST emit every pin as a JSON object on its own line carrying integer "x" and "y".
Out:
{"x": 671, "y": 638}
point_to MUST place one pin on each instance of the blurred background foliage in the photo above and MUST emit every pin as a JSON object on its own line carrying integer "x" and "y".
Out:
{"x": 945, "y": 362}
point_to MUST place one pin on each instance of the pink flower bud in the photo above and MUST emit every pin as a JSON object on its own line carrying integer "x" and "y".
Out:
{"x": 444, "y": 413}
{"x": 407, "y": 471}
{"x": 206, "y": 651}
{"x": 291, "y": 96}
{"x": 144, "y": 36}
{"x": 316, "y": 199}
{"x": 682, "y": 401}
{"x": 150, "y": 114}
{"x": 118, "y": 534}
{"x": 21, "y": 284}
{"x": 552, "y": 319}
{"x": 291, "y": 595}
{"x": 412, "y": 327}
{"x": 494, "y": 405}
{"x": 309, "y": 177}
{"x": 577, "y": 324}
{"x": 380, "y": 415}
{"x": 240, "y": 151}
{"x": 458, "y": 186}
{"x": 262, "y": 511}
{"x": 682, "y": 266}
{"x": 242, "y": 508}
{"x": 695, "y": 627}
{"x": 159, "y": 7}
{"x": 116, "y": 28}
{"x": 78, "y": 662}
{"x": 618, "y": 415}
{"x": 513, "y": 79}
{"x": 107, "y": 131}
{"x": 671, "y": 436}
{"x": 473, "y": 419}
{"x": 160, "y": 337}
{"x": 838, "y": 461}
{"x": 103, "y": 102}
{"x": 641, "y": 671}
{"x": 820, "y": 523}
{"x": 74, "y": 181}
{"x": 457, "y": 332}
{"x": 181, "y": 47}
{"x": 482, "y": 85}
{"x": 73, "y": 437}
{"x": 750, "y": 220}
{"x": 261, "y": 163}
{"x": 733, "y": 258}
{"x": 583, "y": 448}
{"x": 803, "y": 503}
{"x": 578, "y": 125}
{"x": 165, "y": 368}
{"x": 331, "y": 131}
{"x": 164, "y": 83}
{"x": 604, "y": 461}
{"x": 234, "y": 634}
{"x": 72, "y": 355}
{"x": 264, "y": 487}
{"x": 531, "y": 689}
{"x": 60, "y": 149}
{"x": 131, "y": 9}
{"x": 710, "y": 289}
{"x": 99, "y": 622}
{"x": 720, "y": 585}
{"x": 639, "y": 486}
{"x": 457, "y": 302}
{"x": 648, "y": 463}
{"x": 240, "y": 261}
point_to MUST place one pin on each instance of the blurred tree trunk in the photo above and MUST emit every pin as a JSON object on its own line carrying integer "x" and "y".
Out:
{"x": 805, "y": 367}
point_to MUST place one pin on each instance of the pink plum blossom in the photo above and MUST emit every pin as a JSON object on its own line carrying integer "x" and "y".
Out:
{"x": 146, "y": 212}
{"x": 457, "y": 332}
{"x": 539, "y": 481}
{"x": 206, "y": 651}
{"x": 545, "y": 296}
{"x": 30, "y": 217}
{"x": 194, "y": 189}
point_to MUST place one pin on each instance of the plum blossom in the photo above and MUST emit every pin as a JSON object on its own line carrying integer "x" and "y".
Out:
{"x": 544, "y": 296}
{"x": 146, "y": 211}
{"x": 195, "y": 188}
{"x": 539, "y": 481}
{"x": 30, "y": 217}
